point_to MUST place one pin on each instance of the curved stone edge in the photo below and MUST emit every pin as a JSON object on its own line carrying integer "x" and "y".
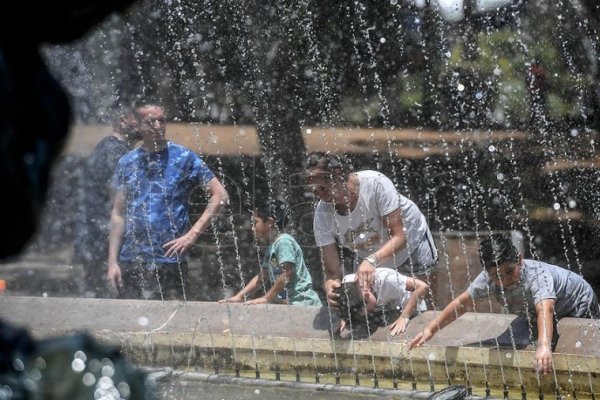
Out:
{"x": 188, "y": 335}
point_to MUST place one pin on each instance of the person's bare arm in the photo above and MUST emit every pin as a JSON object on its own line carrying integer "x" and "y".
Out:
{"x": 249, "y": 288}
{"x": 332, "y": 269}
{"x": 395, "y": 225}
{"x": 278, "y": 285}
{"x": 115, "y": 238}
{"x": 545, "y": 324}
{"x": 419, "y": 289}
{"x": 218, "y": 197}
{"x": 451, "y": 312}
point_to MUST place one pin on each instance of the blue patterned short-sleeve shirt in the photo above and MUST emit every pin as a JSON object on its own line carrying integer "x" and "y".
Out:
{"x": 157, "y": 187}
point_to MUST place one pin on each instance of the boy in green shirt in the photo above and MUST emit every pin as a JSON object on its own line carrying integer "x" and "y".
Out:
{"x": 283, "y": 262}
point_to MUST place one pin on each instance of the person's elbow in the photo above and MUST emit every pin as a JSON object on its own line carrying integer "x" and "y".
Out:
{"x": 218, "y": 193}
{"x": 421, "y": 288}
{"x": 545, "y": 306}
{"x": 223, "y": 196}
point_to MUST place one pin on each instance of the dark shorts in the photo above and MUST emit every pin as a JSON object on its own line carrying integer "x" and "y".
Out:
{"x": 594, "y": 309}
{"x": 422, "y": 260}
{"x": 165, "y": 282}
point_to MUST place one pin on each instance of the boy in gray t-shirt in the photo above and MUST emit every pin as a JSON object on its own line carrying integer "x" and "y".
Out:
{"x": 541, "y": 292}
{"x": 572, "y": 295}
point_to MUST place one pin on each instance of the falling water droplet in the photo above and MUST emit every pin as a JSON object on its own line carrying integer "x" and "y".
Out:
{"x": 556, "y": 206}
{"x": 81, "y": 355}
{"x": 77, "y": 365}
{"x": 18, "y": 365}
{"x": 578, "y": 344}
{"x": 89, "y": 379}
{"x": 460, "y": 87}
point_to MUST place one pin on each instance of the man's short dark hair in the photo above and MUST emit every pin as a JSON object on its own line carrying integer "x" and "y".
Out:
{"x": 327, "y": 162}
{"x": 146, "y": 102}
{"x": 275, "y": 209}
{"x": 497, "y": 249}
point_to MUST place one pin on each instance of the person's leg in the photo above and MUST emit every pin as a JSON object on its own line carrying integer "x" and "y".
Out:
{"x": 594, "y": 311}
{"x": 174, "y": 281}
{"x": 421, "y": 265}
{"x": 96, "y": 284}
{"x": 132, "y": 277}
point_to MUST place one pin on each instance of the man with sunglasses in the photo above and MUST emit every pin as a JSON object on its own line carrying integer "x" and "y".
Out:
{"x": 542, "y": 293}
{"x": 150, "y": 229}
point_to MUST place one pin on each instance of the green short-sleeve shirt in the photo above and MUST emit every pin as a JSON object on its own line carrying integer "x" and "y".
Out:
{"x": 299, "y": 290}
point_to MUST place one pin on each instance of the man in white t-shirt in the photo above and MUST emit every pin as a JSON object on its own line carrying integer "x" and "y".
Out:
{"x": 364, "y": 212}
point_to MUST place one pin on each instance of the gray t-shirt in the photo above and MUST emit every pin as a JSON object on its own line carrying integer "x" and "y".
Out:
{"x": 389, "y": 287}
{"x": 363, "y": 230}
{"x": 540, "y": 281}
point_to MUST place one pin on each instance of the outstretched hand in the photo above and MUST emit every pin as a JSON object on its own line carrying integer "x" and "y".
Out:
{"x": 543, "y": 359}
{"x": 260, "y": 300}
{"x": 114, "y": 275}
{"x": 179, "y": 246}
{"x": 420, "y": 339}
{"x": 232, "y": 299}
{"x": 399, "y": 326}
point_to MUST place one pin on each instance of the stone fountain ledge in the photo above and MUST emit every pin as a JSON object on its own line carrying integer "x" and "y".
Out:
{"x": 275, "y": 337}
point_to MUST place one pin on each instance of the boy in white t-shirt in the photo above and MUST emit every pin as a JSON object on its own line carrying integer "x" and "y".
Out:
{"x": 393, "y": 300}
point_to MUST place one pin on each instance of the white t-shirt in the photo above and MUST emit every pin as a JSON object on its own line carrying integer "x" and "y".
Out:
{"x": 389, "y": 287}
{"x": 363, "y": 230}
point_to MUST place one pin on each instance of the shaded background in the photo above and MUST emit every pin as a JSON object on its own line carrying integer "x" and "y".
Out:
{"x": 528, "y": 69}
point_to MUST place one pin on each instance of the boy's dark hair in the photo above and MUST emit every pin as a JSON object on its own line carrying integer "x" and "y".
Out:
{"x": 351, "y": 301}
{"x": 352, "y": 310}
{"x": 276, "y": 209}
{"x": 497, "y": 249}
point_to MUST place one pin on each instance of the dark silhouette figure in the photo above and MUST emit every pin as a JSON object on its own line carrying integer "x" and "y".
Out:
{"x": 35, "y": 112}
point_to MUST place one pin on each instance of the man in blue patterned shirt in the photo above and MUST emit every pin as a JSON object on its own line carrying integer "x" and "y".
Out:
{"x": 150, "y": 227}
